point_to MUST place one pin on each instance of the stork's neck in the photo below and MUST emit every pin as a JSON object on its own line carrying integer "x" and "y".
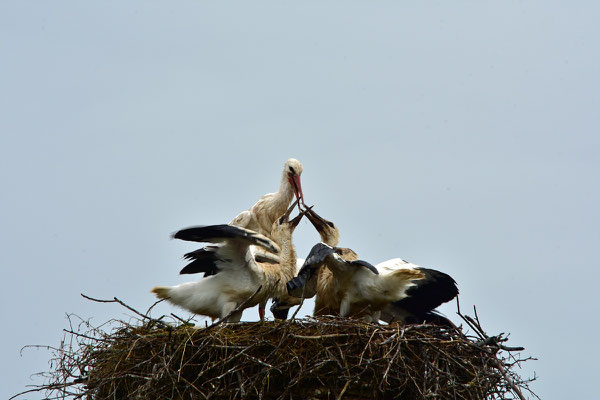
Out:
{"x": 287, "y": 256}
{"x": 330, "y": 237}
{"x": 277, "y": 275}
{"x": 285, "y": 194}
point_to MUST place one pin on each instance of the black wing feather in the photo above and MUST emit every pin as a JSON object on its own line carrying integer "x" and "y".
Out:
{"x": 315, "y": 258}
{"x": 362, "y": 263}
{"x": 431, "y": 318}
{"x": 434, "y": 290}
{"x": 215, "y": 233}
{"x": 204, "y": 260}
{"x": 204, "y": 233}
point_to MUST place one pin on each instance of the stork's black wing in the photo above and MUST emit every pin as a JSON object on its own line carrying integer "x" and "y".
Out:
{"x": 428, "y": 293}
{"x": 318, "y": 253}
{"x": 219, "y": 233}
{"x": 203, "y": 260}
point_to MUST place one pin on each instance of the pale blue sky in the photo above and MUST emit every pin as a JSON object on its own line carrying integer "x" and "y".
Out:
{"x": 457, "y": 136}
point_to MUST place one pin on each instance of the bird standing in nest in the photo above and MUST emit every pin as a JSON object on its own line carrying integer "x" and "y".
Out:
{"x": 236, "y": 275}
{"x": 394, "y": 290}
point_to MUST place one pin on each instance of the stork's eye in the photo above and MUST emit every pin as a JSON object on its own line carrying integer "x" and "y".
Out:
{"x": 330, "y": 223}
{"x": 281, "y": 220}
{"x": 292, "y": 170}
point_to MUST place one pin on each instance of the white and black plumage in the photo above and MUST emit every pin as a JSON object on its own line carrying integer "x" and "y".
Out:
{"x": 420, "y": 298}
{"x": 233, "y": 277}
{"x": 233, "y": 273}
{"x": 435, "y": 289}
{"x": 205, "y": 259}
{"x": 260, "y": 216}
{"x": 360, "y": 290}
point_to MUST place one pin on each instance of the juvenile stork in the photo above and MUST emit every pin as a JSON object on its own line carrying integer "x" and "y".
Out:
{"x": 420, "y": 296}
{"x": 357, "y": 288}
{"x": 435, "y": 289}
{"x": 260, "y": 216}
{"x": 236, "y": 275}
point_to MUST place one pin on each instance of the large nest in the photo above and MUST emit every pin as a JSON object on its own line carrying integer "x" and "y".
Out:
{"x": 324, "y": 358}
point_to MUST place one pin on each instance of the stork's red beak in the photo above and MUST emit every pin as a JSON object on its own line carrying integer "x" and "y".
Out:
{"x": 295, "y": 182}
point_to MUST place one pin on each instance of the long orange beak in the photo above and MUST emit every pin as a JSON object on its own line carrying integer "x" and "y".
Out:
{"x": 295, "y": 182}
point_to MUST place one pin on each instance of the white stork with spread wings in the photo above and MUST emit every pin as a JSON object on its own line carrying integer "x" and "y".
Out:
{"x": 234, "y": 275}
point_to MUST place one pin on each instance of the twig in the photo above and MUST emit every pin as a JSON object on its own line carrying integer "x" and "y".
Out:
{"x": 180, "y": 319}
{"x": 115, "y": 300}
{"x": 344, "y": 389}
{"x": 152, "y": 306}
{"x": 494, "y": 341}
{"x": 511, "y": 383}
{"x": 297, "y": 309}
{"x": 322, "y": 336}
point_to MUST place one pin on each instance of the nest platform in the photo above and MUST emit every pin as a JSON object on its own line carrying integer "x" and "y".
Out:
{"x": 324, "y": 358}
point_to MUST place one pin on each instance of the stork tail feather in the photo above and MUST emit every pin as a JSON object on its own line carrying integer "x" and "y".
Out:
{"x": 162, "y": 292}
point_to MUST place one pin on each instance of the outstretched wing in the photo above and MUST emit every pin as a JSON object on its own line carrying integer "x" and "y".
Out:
{"x": 304, "y": 285}
{"x": 299, "y": 286}
{"x": 223, "y": 232}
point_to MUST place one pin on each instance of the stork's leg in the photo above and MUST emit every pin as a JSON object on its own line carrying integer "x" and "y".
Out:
{"x": 229, "y": 307}
{"x": 345, "y": 307}
{"x": 261, "y": 310}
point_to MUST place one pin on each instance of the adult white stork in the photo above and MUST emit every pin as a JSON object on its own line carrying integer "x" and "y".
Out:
{"x": 234, "y": 273}
{"x": 420, "y": 296}
{"x": 260, "y": 216}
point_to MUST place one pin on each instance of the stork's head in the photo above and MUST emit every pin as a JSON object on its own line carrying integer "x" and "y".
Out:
{"x": 329, "y": 233}
{"x": 292, "y": 169}
{"x": 283, "y": 227}
{"x": 346, "y": 253}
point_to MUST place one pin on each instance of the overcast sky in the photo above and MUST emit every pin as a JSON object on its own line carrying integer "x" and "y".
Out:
{"x": 459, "y": 136}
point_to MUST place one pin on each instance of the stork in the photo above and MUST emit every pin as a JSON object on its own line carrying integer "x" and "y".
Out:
{"x": 421, "y": 295}
{"x": 236, "y": 275}
{"x": 260, "y": 216}
{"x": 421, "y": 300}
{"x": 357, "y": 288}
